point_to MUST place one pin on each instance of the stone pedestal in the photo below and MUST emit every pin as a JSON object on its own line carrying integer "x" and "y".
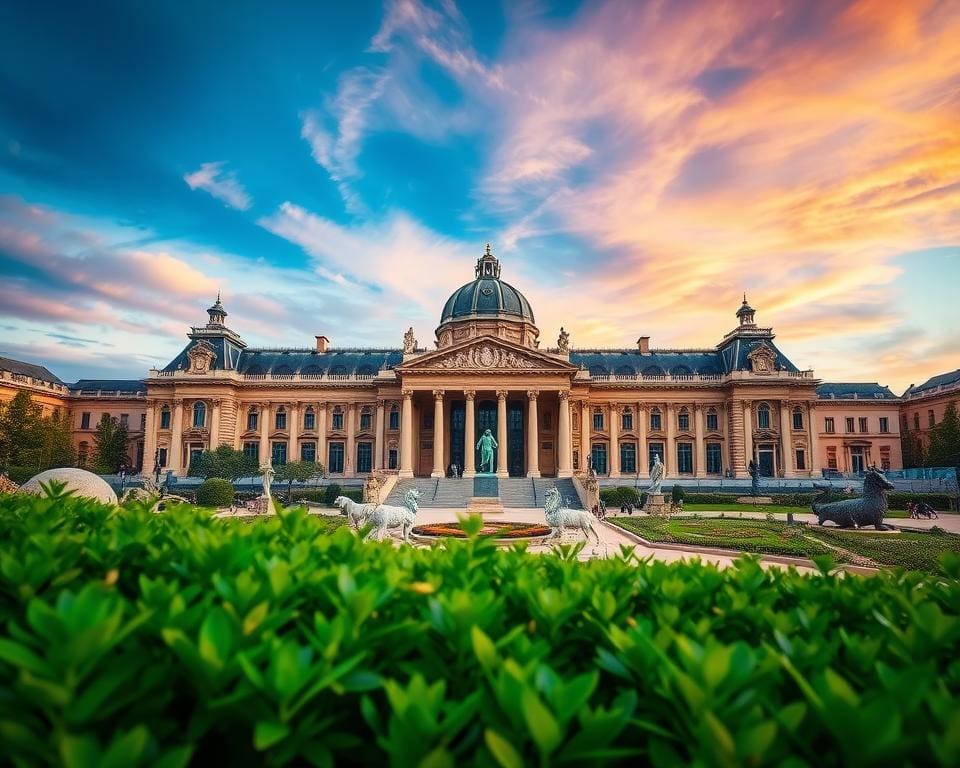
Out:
{"x": 655, "y": 505}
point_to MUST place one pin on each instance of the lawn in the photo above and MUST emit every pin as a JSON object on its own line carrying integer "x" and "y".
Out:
{"x": 916, "y": 551}
{"x": 777, "y": 509}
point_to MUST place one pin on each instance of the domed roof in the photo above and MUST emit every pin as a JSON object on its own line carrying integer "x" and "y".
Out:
{"x": 487, "y": 296}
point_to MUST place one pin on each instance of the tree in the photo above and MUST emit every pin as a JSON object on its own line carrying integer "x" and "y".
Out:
{"x": 224, "y": 462}
{"x": 301, "y": 471}
{"x": 20, "y": 426}
{"x": 55, "y": 443}
{"x": 944, "y": 450}
{"x": 110, "y": 439}
{"x": 912, "y": 449}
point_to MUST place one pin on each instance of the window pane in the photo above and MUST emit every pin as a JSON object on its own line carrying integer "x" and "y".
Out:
{"x": 364, "y": 457}
{"x": 279, "y": 454}
{"x": 828, "y": 425}
{"x": 655, "y": 422}
{"x": 308, "y": 451}
{"x": 335, "y": 457}
{"x": 685, "y": 457}
{"x": 863, "y": 424}
{"x": 714, "y": 459}
{"x": 850, "y": 424}
{"x": 252, "y": 420}
{"x": 654, "y": 449}
{"x": 628, "y": 458}
{"x": 394, "y": 420}
{"x": 599, "y": 456}
{"x": 309, "y": 420}
{"x": 364, "y": 421}
{"x": 712, "y": 422}
{"x": 884, "y": 424}
{"x": 392, "y": 458}
{"x": 763, "y": 418}
{"x": 338, "y": 421}
{"x": 252, "y": 450}
{"x": 281, "y": 420}
{"x": 801, "y": 459}
{"x": 627, "y": 421}
{"x": 598, "y": 421}
{"x": 683, "y": 421}
{"x": 797, "y": 420}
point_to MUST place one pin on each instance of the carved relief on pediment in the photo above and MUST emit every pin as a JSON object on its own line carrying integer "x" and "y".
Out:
{"x": 485, "y": 357}
{"x": 201, "y": 356}
{"x": 762, "y": 359}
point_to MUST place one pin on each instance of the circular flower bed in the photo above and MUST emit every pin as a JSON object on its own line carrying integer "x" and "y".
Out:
{"x": 496, "y": 530}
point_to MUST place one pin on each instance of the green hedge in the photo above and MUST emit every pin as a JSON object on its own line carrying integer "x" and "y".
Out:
{"x": 215, "y": 492}
{"x": 327, "y": 495}
{"x": 136, "y": 639}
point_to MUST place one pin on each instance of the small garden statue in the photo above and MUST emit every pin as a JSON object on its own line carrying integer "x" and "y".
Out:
{"x": 267, "y": 473}
{"x": 657, "y": 472}
{"x": 857, "y": 513}
{"x": 754, "y": 471}
{"x": 486, "y": 445}
{"x": 371, "y": 489}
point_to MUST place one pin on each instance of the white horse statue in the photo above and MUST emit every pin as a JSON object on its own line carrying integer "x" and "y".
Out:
{"x": 357, "y": 514}
{"x": 385, "y": 516}
{"x": 559, "y": 518}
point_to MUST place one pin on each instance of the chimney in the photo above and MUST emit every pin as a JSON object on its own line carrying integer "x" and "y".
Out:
{"x": 643, "y": 343}
{"x": 323, "y": 343}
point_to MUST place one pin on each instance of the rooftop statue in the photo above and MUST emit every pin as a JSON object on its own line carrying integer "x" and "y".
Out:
{"x": 563, "y": 343}
{"x": 487, "y": 444}
{"x": 657, "y": 472}
{"x": 409, "y": 341}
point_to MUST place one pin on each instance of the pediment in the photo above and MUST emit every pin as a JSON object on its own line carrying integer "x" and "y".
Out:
{"x": 486, "y": 354}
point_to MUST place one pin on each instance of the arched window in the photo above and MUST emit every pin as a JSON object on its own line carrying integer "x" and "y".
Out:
{"x": 365, "y": 418}
{"x": 626, "y": 370}
{"x": 763, "y": 416}
{"x": 165, "y": 417}
{"x": 798, "y": 418}
{"x": 656, "y": 421}
{"x": 280, "y": 420}
{"x": 282, "y": 370}
{"x": 338, "y": 370}
{"x": 337, "y": 418}
{"x": 309, "y": 418}
{"x": 653, "y": 370}
{"x": 199, "y": 414}
{"x": 311, "y": 370}
{"x": 713, "y": 423}
{"x": 253, "y": 417}
{"x": 683, "y": 419}
{"x": 626, "y": 419}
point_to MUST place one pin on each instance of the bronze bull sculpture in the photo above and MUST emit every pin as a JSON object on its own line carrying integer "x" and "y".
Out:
{"x": 869, "y": 509}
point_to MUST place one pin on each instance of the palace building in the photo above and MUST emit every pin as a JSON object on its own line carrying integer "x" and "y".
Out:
{"x": 554, "y": 411}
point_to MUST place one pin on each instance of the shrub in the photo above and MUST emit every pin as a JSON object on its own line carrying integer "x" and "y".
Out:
{"x": 325, "y": 495}
{"x": 619, "y": 495}
{"x": 167, "y": 639}
{"x": 677, "y": 494}
{"x": 215, "y": 492}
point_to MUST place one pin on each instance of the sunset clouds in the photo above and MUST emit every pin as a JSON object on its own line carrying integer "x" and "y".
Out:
{"x": 637, "y": 166}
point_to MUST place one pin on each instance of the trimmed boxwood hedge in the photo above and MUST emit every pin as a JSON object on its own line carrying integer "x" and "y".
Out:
{"x": 215, "y": 492}
{"x": 137, "y": 639}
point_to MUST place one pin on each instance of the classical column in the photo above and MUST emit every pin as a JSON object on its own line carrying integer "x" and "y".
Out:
{"x": 614, "y": 441}
{"x": 502, "y": 434}
{"x": 726, "y": 454}
{"x": 215, "y": 423}
{"x": 586, "y": 434}
{"x": 470, "y": 438}
{"x": 265, "y": 453}
{"x": 378, "y": 437}
{"x": 670, "y": 449}
{"x": 293, "y": 428}
{"x": 406, "y": 434}
{"x": 175, "y": 461}
{"x": 748, "y": 431}
{"x": 700, "y": 469}
{"x": 322, "y": 434}
{"x": 564, "y": 437}
{"x": 533, "y": 435}
{"x": 736, "y": 432}
{"x": 813, "y": 429}
{"x": 786, "y": 443}
{"x": 643, "y": 460}
{"x": 350, "y": 460}
{"x": 149, "y": 441}
{"x": 437, "y": 434}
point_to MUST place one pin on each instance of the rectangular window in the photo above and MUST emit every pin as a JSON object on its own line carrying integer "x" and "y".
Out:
{"x": 849, "y": 423}
{"x": 365, "y": 420}
{"x": 308, "y": 451}
{"x": 655, "y": 425}
{"x": 654, "y": 449}
{"x": 335, "y": 457}
{"x": 828, "y": 425}
{"x": 196, "y": 452}
{"x": 885, "y": 463}
{"x": 598, "y": 455}
{"x": 627, "y": 421}
{"x": 863, "y": 424}
{"x": 125, "y": 420}
{"x": 884, "y": 424}
{"x": 801, "y": 459}
{"x": 364, "y": 457}
{"x": 394, "y": 419}
{"x": 712, "y": 422}
{"x": 162, "y": 457}
{"x": 392, "y": 458}
{"x": 309, "y": 422}
{"x": 683, "y": 421}
{"x": 85, "y": 419}
{"x": 598, "y": 421}
{"x": 628, "y": 458}
{"x": 280, "y": 421}
{"x": 252, "y": 417}
{"x": 798, "y": 419}
{"x": 279, "y": 454}
{"x": 338, "y": 420}
{"x": 763, "y": 418}
{"x": 685, "y": 458}
{"x": 143, "y": 421}
{"x": 714, "y": 459}
{"x": 832, "y": 458}
{"x": 252, "y": 450}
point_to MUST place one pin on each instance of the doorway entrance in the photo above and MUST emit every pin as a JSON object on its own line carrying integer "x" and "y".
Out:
{"x": 486, "y": 419}
{"x": 765, "y": 462}
{"x": 515, "y": 452}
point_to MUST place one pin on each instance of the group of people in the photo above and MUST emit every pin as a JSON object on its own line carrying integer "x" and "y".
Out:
{"x": 920, "y": 510}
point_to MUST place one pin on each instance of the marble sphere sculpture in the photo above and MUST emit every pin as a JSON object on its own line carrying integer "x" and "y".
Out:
{"x": 83, "y": 484}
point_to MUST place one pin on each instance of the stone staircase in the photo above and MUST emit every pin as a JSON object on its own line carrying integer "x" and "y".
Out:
{"x": 456, "y": 493}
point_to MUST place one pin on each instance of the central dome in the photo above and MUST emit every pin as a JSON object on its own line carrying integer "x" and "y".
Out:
{"x": 487, "y": 296}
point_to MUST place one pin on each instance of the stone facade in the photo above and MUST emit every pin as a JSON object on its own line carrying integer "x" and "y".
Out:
{"x": 923, "y": 406}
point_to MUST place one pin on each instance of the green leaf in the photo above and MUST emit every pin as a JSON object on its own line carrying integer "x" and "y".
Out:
{"x": 483, "y": 647}
{"x": 19, "y": 656}
{"x": 216, "y": 638}
{"x": 267, "y": 733}
{"x": 255, "y": 617}
{"x": 541, "y": 724}
{"x": 80, "y": 752}
{"x": 502, "y": 750}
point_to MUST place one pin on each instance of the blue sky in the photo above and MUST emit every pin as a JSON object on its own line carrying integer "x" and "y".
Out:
{"x": 336, "y": 168}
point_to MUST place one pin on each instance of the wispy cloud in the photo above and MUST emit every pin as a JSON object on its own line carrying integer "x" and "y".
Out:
{"x": 223, "y": 185}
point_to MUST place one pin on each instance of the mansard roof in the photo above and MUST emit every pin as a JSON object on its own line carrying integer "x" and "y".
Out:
{"x": 127, "y": 386}
{"x": 854, "y": 391}
{"x": 227, "y": 355}
{"x": 736, "y": 353}
{"x": 28, "y": 369}
{"x": 931, "y": 384}
{"x": 654, "y": 362}
{"x": 333, "y": 361}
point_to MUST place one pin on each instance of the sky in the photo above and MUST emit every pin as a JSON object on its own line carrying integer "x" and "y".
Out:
{"x": 336, "y": 169}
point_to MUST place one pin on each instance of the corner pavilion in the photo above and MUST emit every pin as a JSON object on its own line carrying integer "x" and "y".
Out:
{"x": 554, "y": 411}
